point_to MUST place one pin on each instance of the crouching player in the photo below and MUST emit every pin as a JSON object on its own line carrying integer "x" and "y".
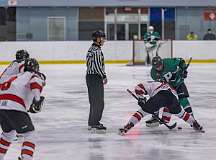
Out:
{"x": 161, "y": 94}
{"x": 20, "y": 94}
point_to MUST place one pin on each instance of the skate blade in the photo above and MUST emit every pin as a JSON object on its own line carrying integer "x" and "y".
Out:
{"x": 121, "y": 133}
{"x": 96, "y": 131}
{"x": 200, "y": 131}
{"x": 152, "y": 125}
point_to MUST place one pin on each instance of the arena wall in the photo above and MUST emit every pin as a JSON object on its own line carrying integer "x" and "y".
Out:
{"x": 114, "y": 51}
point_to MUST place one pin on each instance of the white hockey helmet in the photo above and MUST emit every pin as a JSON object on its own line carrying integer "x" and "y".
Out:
{"x": 151, "y": 28}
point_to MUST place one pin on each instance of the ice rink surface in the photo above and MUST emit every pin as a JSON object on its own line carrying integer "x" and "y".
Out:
{"x": 61, "y": 128}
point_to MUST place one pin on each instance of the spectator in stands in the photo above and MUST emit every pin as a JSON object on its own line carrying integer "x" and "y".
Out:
{"x": 192, "y": 36}
{"x": 209, "y": 35}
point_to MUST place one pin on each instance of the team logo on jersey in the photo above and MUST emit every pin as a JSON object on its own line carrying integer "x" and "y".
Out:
{"x": 3, "y": 103}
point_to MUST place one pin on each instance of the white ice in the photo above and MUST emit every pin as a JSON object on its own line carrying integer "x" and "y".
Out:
{"x": 61, "y": 128}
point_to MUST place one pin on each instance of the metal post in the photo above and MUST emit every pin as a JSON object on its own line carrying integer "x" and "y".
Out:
{"x": 115, "y": 24}
{"x": 139, "y": 23}
{"x": 162, "y": 17}
{"x": 105, "y": 23}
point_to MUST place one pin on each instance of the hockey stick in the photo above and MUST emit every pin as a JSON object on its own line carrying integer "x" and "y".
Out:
{"x": 188, "y": 63}
{"x": 155, "y": 116}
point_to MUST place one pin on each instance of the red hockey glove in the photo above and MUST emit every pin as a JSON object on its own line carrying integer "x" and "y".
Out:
{"x": 139, "y": 89}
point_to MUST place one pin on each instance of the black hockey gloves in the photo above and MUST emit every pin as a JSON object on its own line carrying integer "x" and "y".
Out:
{"x": 36, "y": 105}
{"x": 141, "y": 101}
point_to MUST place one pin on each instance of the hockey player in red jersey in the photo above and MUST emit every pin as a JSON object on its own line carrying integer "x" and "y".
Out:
{"x": 20, "y": 94}
{"x": 161, "y": 94}
{"x": 17, "y": 66}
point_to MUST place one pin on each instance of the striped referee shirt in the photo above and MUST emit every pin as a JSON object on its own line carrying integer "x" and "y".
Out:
{"x": 95, "y": 61}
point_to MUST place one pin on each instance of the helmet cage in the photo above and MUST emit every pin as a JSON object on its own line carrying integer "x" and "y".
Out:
{"x": 22, "y": 55}
{"x": 31, "y": 65}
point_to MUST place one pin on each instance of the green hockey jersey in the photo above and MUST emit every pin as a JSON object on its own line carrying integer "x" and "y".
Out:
{"x": 171, "y": 72}
{"x": 151, "y": 38}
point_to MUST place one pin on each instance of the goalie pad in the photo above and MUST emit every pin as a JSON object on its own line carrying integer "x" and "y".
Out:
{"x": 36, "y": 106}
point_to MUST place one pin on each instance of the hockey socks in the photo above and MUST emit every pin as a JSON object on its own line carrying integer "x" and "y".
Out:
{"x": 166, "y": 115}
{"x": 5, "y": 141}
{"x": 28, "y": 146}
{"x": 190, "y": 119}
{"x": 184, "y": 102}
{"x": 135, "y": 118}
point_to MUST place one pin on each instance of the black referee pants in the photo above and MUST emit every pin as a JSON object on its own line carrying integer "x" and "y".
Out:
{"x": 96, "y": 98}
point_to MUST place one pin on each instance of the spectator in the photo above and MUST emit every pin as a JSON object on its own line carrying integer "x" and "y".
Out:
{"x": 209, "y": 35}
{"x": 192, "y": 36}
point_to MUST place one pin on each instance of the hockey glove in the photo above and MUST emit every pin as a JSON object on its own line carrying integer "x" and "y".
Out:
{"x": 36, "y": 106}
{"x": 182, "y": 63}
{"x": 141, "y": 101}
{"x": 184, "y": 74}
{"x": 140, "y": 90}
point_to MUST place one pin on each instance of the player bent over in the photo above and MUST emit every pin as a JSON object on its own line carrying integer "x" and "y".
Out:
{"x": 20, "y": 94}
{"x": 17, "y": 66}
{"x": 161, "y": 94}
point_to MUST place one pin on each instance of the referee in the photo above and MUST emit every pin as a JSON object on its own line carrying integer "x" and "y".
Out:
{"x": 95, "y": 80}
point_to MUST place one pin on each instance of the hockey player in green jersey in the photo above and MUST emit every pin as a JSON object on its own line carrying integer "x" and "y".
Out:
{"x": 150, "y": 40}
{"x": 172, "y": 71}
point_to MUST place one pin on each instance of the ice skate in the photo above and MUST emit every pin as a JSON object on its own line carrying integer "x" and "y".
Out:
{"x": 123, "y": 131}
{"x": 153, "y": 122}
{"x": 100, "y": 129}
{"x": 198, "y": 127}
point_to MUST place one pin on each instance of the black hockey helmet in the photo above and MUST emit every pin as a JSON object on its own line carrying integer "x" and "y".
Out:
{"x": 98, "y": 34}
{"x": 157, "y": 61}
{"x": 22, "y": 55}
{"x": 31, "y": 65}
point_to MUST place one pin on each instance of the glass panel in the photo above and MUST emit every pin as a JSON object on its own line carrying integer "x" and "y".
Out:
{"x": 156, "y": 19}
{"x": 87, "y": 27}
{"x": 90, "y": 19}
{"x": 110, "y": 10}
{"x": 56, "y": 28}
{"x": 143, "y": 30}
{"x": 193, "y": 19}
{"x": 120, "y": 31}
{"x": 11, "y": 11}
{"x": 169, "y": 23}
{"x": 110, "y": 31}
{"x": 2, "y": 16}
{"x": 133, "y": 30}
{"x": 3, "y": 29}
{"x": 11, "y": 24}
